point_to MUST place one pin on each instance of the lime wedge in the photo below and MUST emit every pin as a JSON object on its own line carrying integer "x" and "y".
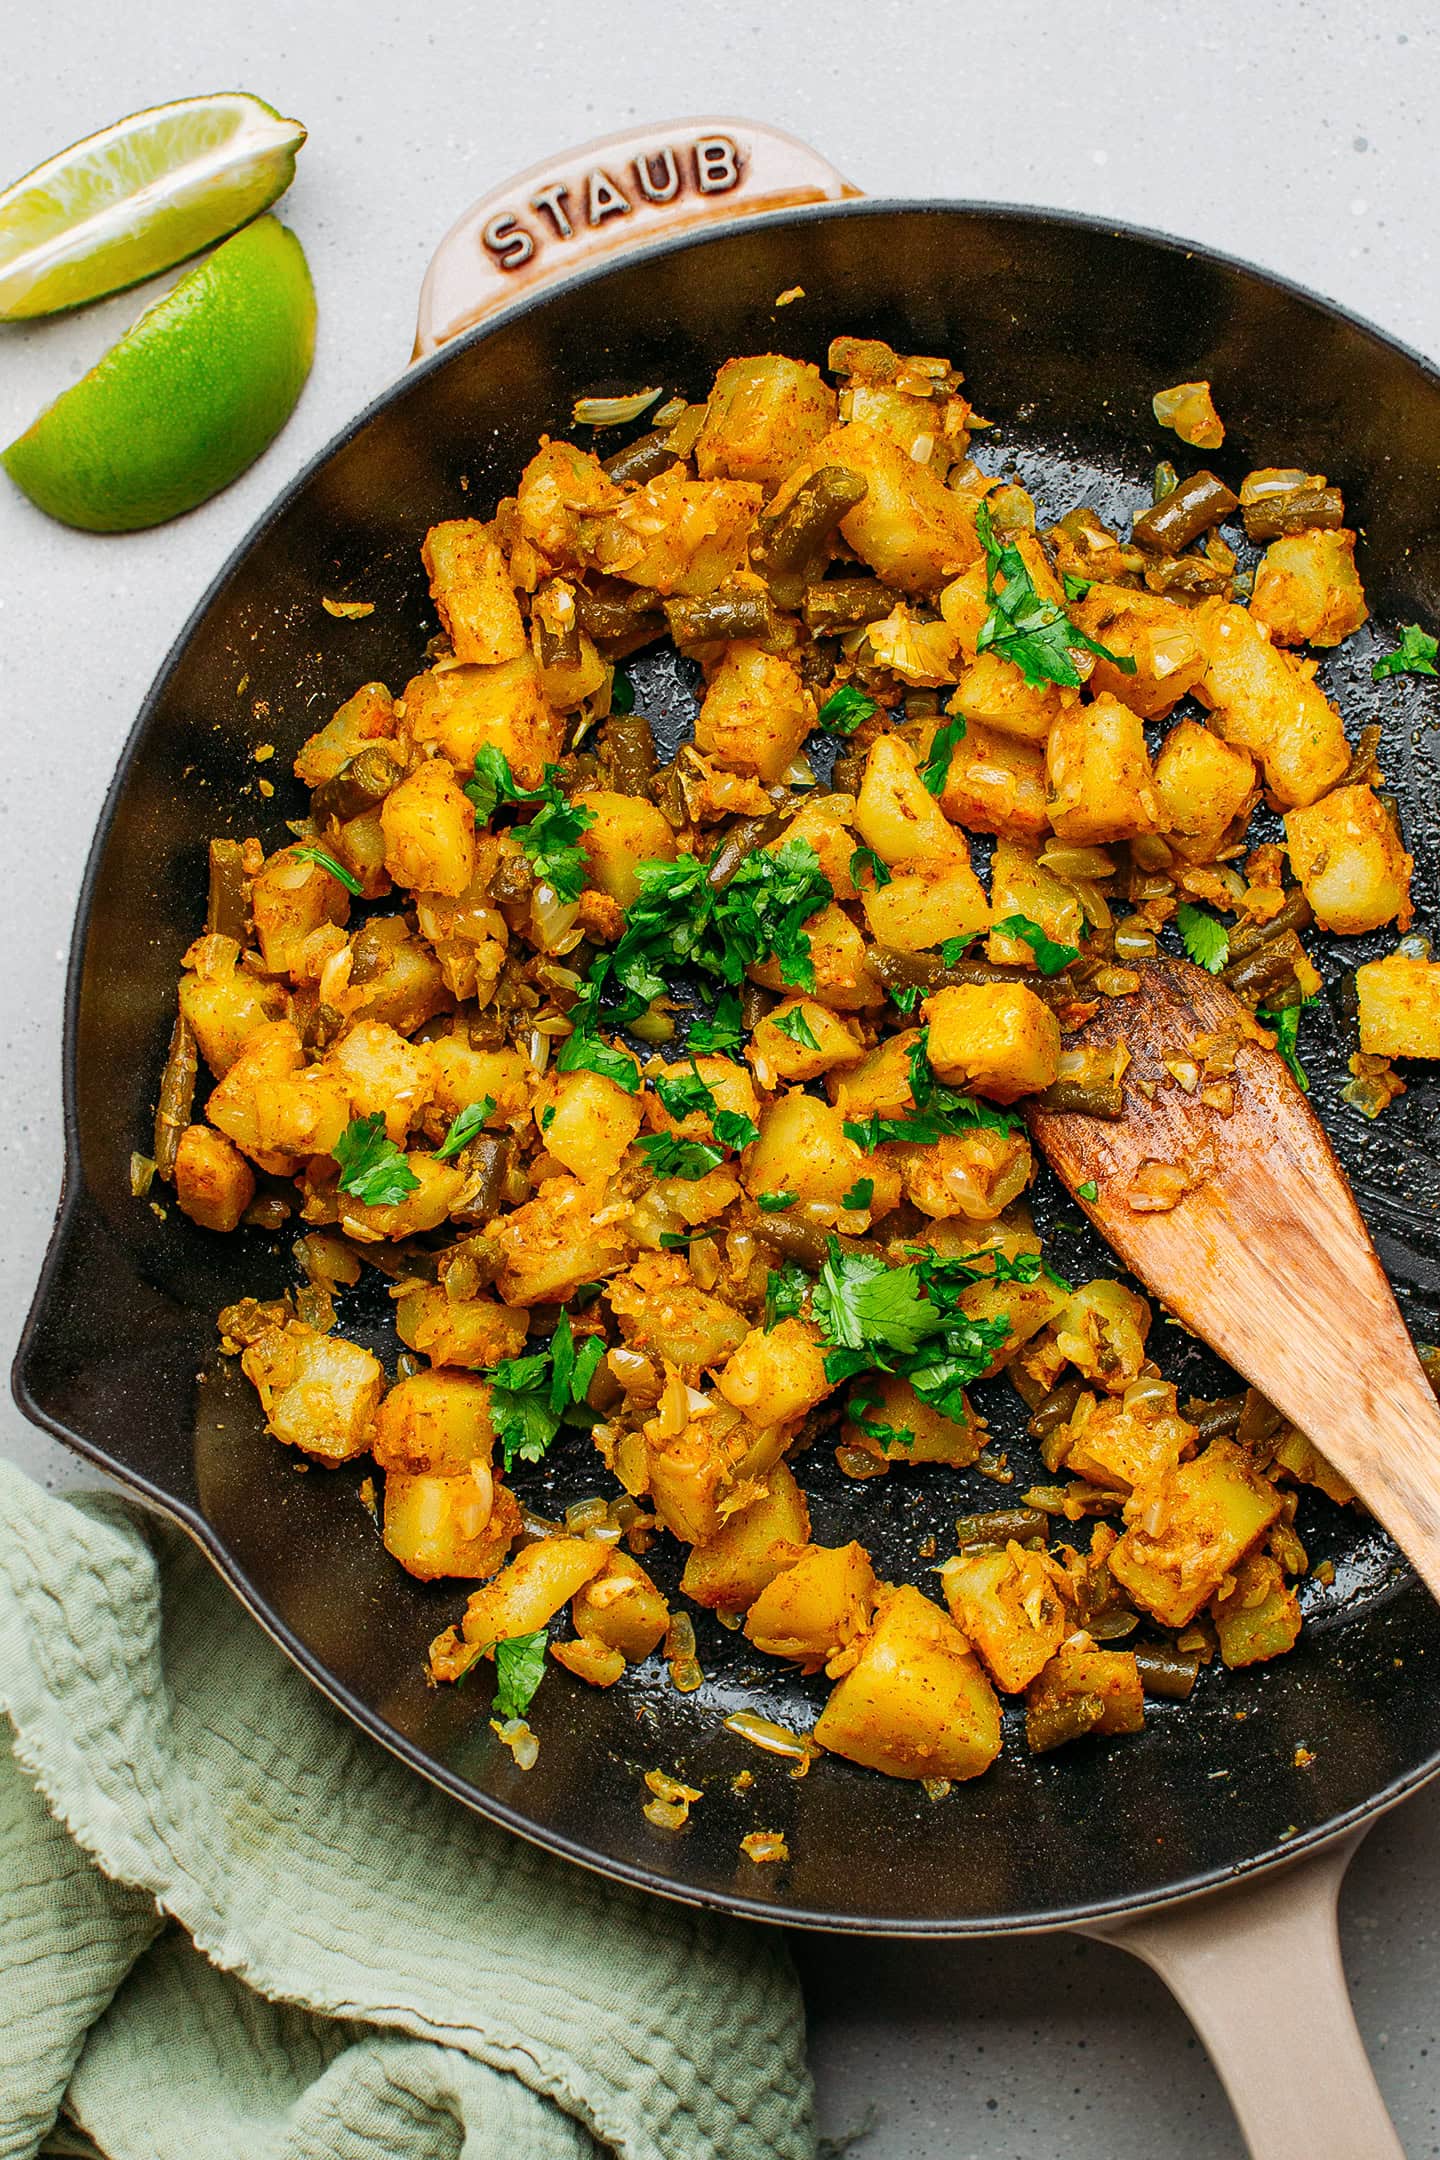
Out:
{"x": 188, "y": 398}
{"x": 139, "y": 196}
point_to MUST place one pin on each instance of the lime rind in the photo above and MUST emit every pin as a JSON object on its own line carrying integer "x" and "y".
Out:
{"x": 137, "y": 198}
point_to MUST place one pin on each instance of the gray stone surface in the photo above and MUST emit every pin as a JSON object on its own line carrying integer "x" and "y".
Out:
{"x": 1299, "y": 135}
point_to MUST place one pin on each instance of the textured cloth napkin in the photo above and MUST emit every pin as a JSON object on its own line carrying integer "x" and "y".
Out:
{"x": 233, "y": 1928}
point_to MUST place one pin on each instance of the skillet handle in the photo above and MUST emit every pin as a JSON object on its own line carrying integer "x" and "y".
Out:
{"x": 1257, "y": 1971}
{"x": 609, "y": 196}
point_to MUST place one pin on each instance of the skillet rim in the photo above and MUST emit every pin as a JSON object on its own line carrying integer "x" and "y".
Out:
{"x": 651, "y": 1880}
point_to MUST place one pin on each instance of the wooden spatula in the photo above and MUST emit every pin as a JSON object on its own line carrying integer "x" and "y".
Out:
{"x": 1264, "y": 1254}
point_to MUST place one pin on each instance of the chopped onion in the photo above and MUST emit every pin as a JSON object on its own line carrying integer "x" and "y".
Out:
{"x": 613, "y": 411}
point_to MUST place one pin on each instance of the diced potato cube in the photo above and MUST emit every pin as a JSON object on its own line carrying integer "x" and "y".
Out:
{"x": 729, "y": 1083}
{"x": 1083, "y": 1690}
{"x": 465, "y": 1073}
{"x": 464, "y": 709}
{"x": 303, "y": 1114}
{"x": 802, "y": 1149}
{"x": 622, "y": 1608}
{"x": 1126, "y": 1441}
{"x": 1307, "y": 589}
{"x": 289, "y": 899}
{"x": 840, "y": 958}
{"x": 437, "y": 1526}
{"x": 558, "y": 488}
{"x": 626, "y": 831}
{"x": 996, "y": 784}
{"x": 896, "y": 814}
{"x": 380, "y": 1071}
{"x": 998, "y": 1038}
{"x": 1007, "y": 1607}
{"x": 1021, "y": 885}
{"x": 1150, "y": 630}
{"x": 437, "y": 1189}
{"x": 1189, "y": 1531}
{"x": 1300, "y": 1459}
{"x": 567, "y": 683}
{"x": 436, "y": 1423}
{"x": 1101, "y": 784}
{"x": 994, "y": 693}
{"x": 708, "y": 1470}
{"x": 731, "y": 1569}
{"x": 916, "y": 1704}
{"x": 974, "y": 1173}
{"x": 557, "y": 1241}
{"x": 1260, "y": 1617}
{"x": 591, "y": 1121}
{"x": 663, "y": 1311}
{"x": 887, "y": 1419}
{"x": 429, "y": 827}
{"x": 529, "y": 1592}
{"x": 366, "y": 718}
{"x": 224, "y": 1006}
{"x": 272, "y": 1052}
{"x": 1206, "y": 785}
{"x": 1024, "y": 1307}
{"x": 1347, "y": 852}
{"x": 764, "y": 415}
{"x": 824, "y": 823}
{"x": 1267, "y": 703}
{"x": 910, "y": 528}
{"x": 213, "y": 1182}
{"x": 473, "y": 596}
{"x": 471, "y": 1332}
{"x": 1399, "y": 1006}
{"x": 674, "y": 535}
{"x": 1102, "y": 1333}
{"x": 756, "y": 713}
{"x": 318, "y": 1392}
{"x": 815, "y": 1607}
{"x": 881, "y": 1081}
{"x": 776, "y": 1376}
{"x": 924, "y": 906}
{"x": 398, "y": 977}
{"x": 776, "y": 1055}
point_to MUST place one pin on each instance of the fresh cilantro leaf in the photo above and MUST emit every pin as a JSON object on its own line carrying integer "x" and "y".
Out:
{"x": 1076, "y": 587}
{"x": 955, "y": 948}
{"x": 531, "y": 1396}
{"x": 785, "y": 1291}
{"x": 464, "y": 1127}
{"x": 936, "y": 769}
{"x": 794, "y": 1025}
{"x": 679, "y": 919}
{"x": 904, "y": 995}
{"x": 722, "y": 1030}
{"x": 328, "y": 862}
{"x": 547, "y": 1117}
{"x": 372, "y": 1169}
{"x": 1088, "y": 1191}
{"x": 905, "y": 1319}
{"x": 669, "y": 1156}
{"x": 1022, "y": 626}
{"x": 1286, "y": 1023}
{"x": 861, "y": 1193}
{"x": 940, "y": 1111}
{"x": 622, "y": 693}
{"x": 1050, "y": 957}
{"x": 734, "y": 1130}
{"x": 519, "y": 1669}
{"x": 682, "y": 1094}
{"x": 865, "y": 858}
{"x": 1206, "y": 940}
{"x": 493, "y": 782}
{"x": 862, "y": 1303}
{"x": 677, "y": 1240}
{"x": 775, "y": 1203}
{"x": 844, "y": 709}
{"x": 1414, "y": 655}
{"x": 586, "y": 1053}
{"x": 550, "y": 839}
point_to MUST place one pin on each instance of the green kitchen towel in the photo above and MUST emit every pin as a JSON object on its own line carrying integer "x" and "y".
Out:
{"x": 233, "y": 1928}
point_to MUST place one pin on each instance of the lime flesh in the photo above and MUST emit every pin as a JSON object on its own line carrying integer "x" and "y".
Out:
{"x": 139, "y": 197}
{"x": 186, "y": 400}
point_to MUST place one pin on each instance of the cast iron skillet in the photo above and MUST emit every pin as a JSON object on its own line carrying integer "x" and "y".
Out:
{"x": 1064, "y": 328}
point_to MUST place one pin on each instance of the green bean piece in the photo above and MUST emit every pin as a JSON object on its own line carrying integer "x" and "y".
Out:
{"x": 1267, "y": 976}
{"x": 1176, "y": 521}
{"x": 844, "y": 604}
{"x": 906, "y": 970}
{"x": 743, "y": 840}
{"x": 177, "y": 1096}
{"x": 795, "y": 1238}
{"x": 627, "y": 750}
{"x": 1069, "y": 1717}
{"x": 227, "y": 911}
{"x": 1191, "y": 576}
{"x": 999, "y": 1527}
{"x": 754, "y": 1004}
{"x": 1259, "y": 1422}
{"x": 1113, "y": 1625}
{"x": 490, "y": 1156}
{"x": 1306, "y": 509}
{"x": 792, "y": 546}
{"x": 644, "y": 459}
{"x": 620, "y": 618}
{"x": 1055, "y": 1409}
{"x": 1165, "y": 1671}
{"x": 559, "y": 631}
{"x": 731, "y": 611}
{"x": 1247, "y": 938}
{"x": 1218, "y": 1420}
{"x": 1091, "y": 1097}
{"x": 361, "y": 783}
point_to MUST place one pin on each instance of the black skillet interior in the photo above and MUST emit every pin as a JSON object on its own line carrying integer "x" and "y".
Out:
{"x": 1064, "y": 330}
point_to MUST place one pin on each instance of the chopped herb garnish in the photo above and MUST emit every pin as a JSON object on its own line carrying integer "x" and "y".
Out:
{"x": 1035, "y": 633}
{"x": 547, "y": 1117}
{"x": 940, "y": 1111}
{"x": 721, "y": 1030}
{"x": 1414, "y": 655}
{"x": 796, "y": 1028}
{"x": 905, "y": 1319}
{"x": 519, "y": 1669}
{"x": 844, "y": 709}
{"x": 464, "y": 1127}
{"x": 955, "y": 948}
{"x": 1286, "y": 1023}
{"x": 670, "y": 1156}
{"x": 733, "y": 1129}
{"x": 786, "y": 1289}
{"x": 328, "y": 862}
{"x": 1050, "y": 957}
{"x": 586, "y": 1053}
{"x": 775, "y": 1203}
{"x": 1076, "y": 587}
{"x": 904, "y": 995}
{"x": 372, "y": 1169}
{"x": 865, "y": 858}
{"x": 683, "y": 1094}
{"x": 531, "y": 1396}
{"x": 622, "y": 693}
{"x": 1205, "y": 939}
{"x": 858, "y": 1409}
{"x": 550, "y": 840}
{"x": 1088, "y": 1191}
{"x": 861, "y": 1193}
{"x": 936, "y": 769}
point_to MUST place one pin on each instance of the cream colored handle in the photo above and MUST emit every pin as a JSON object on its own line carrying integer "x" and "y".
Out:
{"x": 1257, "y": 1971}
{"x": 617, "y": 193}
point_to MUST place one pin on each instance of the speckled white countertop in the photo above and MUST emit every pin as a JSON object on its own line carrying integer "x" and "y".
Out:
{"x": 1298, "y": 133}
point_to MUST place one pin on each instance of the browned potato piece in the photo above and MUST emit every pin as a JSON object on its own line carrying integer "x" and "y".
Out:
{"x": 380, "y": 1070}
{"x": 529, "y": 1592}
{"x": 731, "y": 1569}
{"x": 1153, "y": 632}
{"x": 1347, "y": 852}
{"x": 436, "y": 1423}
{"x": 776, "y": 1055}
{"x": 916, "y": 1704}
{"x": 973, "y": 1173}
{"x": 622, "y": 1608}
{"x": 213, "y": 1182}
{"x": 1307, "y": 589}
{"x": 881, "y": 1081}
{"x": 465, "y": 709}
{"x": 224, "y": 1005}
{"x": 473, "y": 1332}
{"x": 676, "y": 536}
{"x": 1101, "y": 784}
{"x": 814, "y": 1608}
{"x": 366, "y": 718}
{"x": 560, "y": 487}
{"x": 707, "y": 1470}
{"x": 1102, "y": 1333}
{"x": 557, "y": 1241}
{"x": 471, "y": 588}
{"x": 1206, "y": 785}
{"x": 1267, "y": 703}
{"x": 302, "y": 1114}
{"x": 272, "y": 1052}
{"x": 910, "y": 1431}
{"x": 464, "y": 1073}
{"x": 843, "y": 977}
{"x": 993, "y": 692}
{"x": 778, "y": 1375}
{"x": 398, "y": 976}
{"x": 1127, "y": 1440}
{"x": 1007, "y": 1607}
{"x": 1021, "y": 885}
{"x": 921, "y": 907}
{"x": 765, "y": 413}
{"x": 729, "y": 1083}
{"x": 429, "y": 827}
{"x": 626, "y": 831}
{"x": 998, "y": 1038}
{"x": 591, "y": 1123}
{"x": 1083, "y": 1690}
{"x": 996, "y": 784}
{"x": 802, "y": 1149}
{"x": 1260, "y": 1617}
{"x": 439, "y": 1526}
{"x": 289, "y": 899}
{"x": 824, "y": 823}
{"x": 910, "y": 528}
{"x": 896, "y": 814}
{"x": 1399, "y": 1006}
{"x": 1190, "y": 1530}
{"x": 662, "y": 1310}
{"x": 318, "y": 1392}
{"x": 439, "y": 1185}
{"x": 756, "y": 713}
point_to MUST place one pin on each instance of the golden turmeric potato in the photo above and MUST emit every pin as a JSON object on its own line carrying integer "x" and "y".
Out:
{"x": 886, "y": 1418}
{"x": 756, "y": 713}
{"x": 998, "y": 1039}
{"x": 784, "y": 1047}
{"x": 300, "y": 1114}
{"x": 776, "y": 1375}
{"x": 815, "y": 1607}
{"x": 972, "y": 1173}
{"x": 702, "y": 1471}
{"x": 1399, "y": 1006}
{"x": 473, "y": 596}
{"x": 675, "y": 536}
{"x": 802, "y": 1149}
{"x": 436, "y": 1422}
{"x": 272, "y": 1052}
{"x": 731, "y": 1569}
{"x": 844, "y": 979}
{"x": 622, "y": 1608}
{"x": 996, "y": 784}
{"x": 1128, "y": 1440}
{"x": 1020, "y": 884}
{"x": 824, "y": 823}
{"x": 318, "y": 1392}
{"x": 465, "y": 709}
{"x": 1260, "y": 1617}
{"x": 1007, "y": 1607}
{"x": 224, "y": 1005}
{"x": 765, "y": 414}
{"x": 910, "y": 528}
{"x": 528, "y": 1593}
{"x": 924, "y": 906}
{"x": 289, "y": 899}
{"x": 663, "y": 1311}
{"x": 365, "y": 719}
{"x": 437, "y": 1188}
{"x": 1206, "y": 785}
{"x": 1101, "y": 784}
{"x": 429, "y": 827}
{"x": 395, "y": 976}
{"x": 463, "y": 1073}
{"x": 1347, "y": 852}
{"x": 587, "y": 1122}
{"x": 916, "y": 1704}
{"x": 1267, "y": 703}
{"x": 213, "y": 1182}
{"x": 557, "y": 1241}
{"x": 1102, "y": 1333}
{"x": 473, "y": 1332}
{"x": 993, "y": 692}
{"x": 897, "y": 816}
{"x": 380, "y": 1071}
{"x": 1190, "y": 1530}
{"x": 881, "y": 1081}
{"x": 1307, "y": 589}
{"x": 1083, "y": 1690}
{"x": 1150, "y": 630}
{"x": 728, "y": 1081}
{"x": 438, "y": 1526}
{"x": 559, "y": 488}
{"x": 625, "y": 831}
